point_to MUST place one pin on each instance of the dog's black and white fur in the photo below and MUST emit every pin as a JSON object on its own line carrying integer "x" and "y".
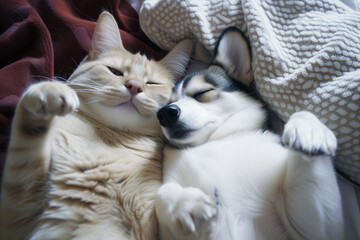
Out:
{"x": 226, "y": 178}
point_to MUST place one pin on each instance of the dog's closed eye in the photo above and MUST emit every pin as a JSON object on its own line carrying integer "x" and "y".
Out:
{"x": 206, "y": 95}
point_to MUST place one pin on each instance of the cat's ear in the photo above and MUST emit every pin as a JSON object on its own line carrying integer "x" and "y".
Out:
{"x": 106, "y": 36}
{"x": 178, "y": 58}
{"x": 233, "y": 53}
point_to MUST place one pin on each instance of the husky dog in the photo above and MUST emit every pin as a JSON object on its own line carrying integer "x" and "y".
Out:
{"x": 224, "y": 178}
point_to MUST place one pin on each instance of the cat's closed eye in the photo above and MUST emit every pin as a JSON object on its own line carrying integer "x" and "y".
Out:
{"x": 152, "y": 83}
{"x": 116, "y": 72}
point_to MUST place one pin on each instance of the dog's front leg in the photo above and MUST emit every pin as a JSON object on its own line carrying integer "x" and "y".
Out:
{"x": 184, "y": 213}
{"x": 310, "y": 205}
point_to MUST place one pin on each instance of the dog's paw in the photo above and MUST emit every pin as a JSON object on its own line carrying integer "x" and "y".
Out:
{"x": 305, "y": 132}
{"x": 192, "y": 213}
{"x": 50, "y": 98}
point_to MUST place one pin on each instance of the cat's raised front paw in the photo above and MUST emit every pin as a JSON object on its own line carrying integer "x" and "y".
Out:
{"x": 50, "y": 98}
{"x": 306, "y": 133}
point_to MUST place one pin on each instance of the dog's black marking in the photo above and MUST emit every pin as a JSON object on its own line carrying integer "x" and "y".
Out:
{"x": 217, "y": 77}
{"x": 179, "y": 130}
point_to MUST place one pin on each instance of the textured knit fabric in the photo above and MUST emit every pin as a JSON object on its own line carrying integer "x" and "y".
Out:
{"x": 306, "y": 55}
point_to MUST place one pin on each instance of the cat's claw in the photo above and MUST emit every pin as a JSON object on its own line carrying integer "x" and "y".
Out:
{"x": 305, "y": 132}
{"x": 46, "y": 99}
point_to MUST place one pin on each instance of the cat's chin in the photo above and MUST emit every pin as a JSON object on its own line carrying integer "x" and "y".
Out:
{"x": 137, "y": 104}
{"x": 128, "y": 106}
{"x": 124, "y": 116}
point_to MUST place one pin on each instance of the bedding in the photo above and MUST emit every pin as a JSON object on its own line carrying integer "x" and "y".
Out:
{"x": 43, "y": 39}
{"x": 306, "y": 55}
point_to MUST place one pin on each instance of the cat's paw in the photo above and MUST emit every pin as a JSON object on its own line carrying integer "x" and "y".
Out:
{"x": 46, "y": 99}
{"x": 192, "y": 213}
{"x": 305, "y": 132}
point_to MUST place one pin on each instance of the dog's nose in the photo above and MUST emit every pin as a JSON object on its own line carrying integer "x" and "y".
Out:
{"x": 168, "y": 115}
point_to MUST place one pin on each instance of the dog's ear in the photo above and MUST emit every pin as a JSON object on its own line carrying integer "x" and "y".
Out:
{"x": 233, "y": 53}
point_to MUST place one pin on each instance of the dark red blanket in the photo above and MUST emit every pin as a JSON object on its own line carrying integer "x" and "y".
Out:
{"x": 41, "y": 39}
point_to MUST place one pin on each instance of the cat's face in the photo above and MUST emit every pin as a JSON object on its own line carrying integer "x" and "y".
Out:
{"x": 121, "y": 89}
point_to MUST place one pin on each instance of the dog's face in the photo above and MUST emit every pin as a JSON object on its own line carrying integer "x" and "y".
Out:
{"x": 203, "y": 101}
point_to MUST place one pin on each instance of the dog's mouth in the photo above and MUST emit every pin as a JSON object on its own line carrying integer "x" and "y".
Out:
{"x": 179, "y": 131}
{"x": 180, "y": 134}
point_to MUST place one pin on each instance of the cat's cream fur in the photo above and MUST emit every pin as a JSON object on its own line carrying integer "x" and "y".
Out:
{"x": 91, "y": 173}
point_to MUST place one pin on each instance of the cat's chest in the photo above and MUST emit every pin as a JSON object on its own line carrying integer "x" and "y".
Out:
{"x": 81, "y": 155}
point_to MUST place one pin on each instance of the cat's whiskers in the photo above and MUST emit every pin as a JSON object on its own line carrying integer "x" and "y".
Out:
{"x": 88, "y": 80}
{"x": 105, "y": 97}
{"x": 90, "y": 101}
{"x": 55, "y": 78}
{"x": 96, "y": 88}
{"x": 85, "y": 90}
{"x": 92, "y": 84}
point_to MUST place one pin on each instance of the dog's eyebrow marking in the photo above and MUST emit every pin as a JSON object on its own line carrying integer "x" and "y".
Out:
{"x": 180, "y": 89}
{"x": 187, "y": 79}
{"x": 197, "y": 85}
{"x": 181, "y": 86}
{"x": 219, "y": 80}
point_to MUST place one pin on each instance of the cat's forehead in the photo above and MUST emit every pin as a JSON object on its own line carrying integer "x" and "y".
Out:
{"x": 136, "y": 63}
{"x": 125, "y": 59}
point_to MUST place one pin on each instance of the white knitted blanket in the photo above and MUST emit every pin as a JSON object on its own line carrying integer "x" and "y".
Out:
{"x": 306, "y": 55}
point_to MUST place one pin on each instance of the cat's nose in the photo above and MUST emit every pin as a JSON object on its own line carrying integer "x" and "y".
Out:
{"x": 168, "y": 115}
{"x": 134, "y": 86}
